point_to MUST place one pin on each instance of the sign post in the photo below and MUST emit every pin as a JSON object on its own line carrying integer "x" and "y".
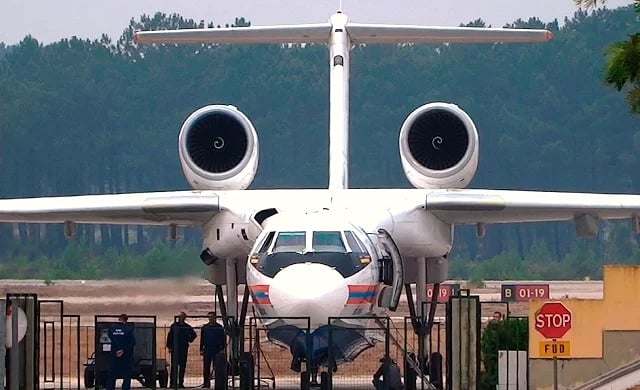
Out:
{"x": 555, "y": 371}
{"x": 553, "y": 320}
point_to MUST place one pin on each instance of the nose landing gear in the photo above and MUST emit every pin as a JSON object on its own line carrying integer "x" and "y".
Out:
{"x": 309, "y": 381}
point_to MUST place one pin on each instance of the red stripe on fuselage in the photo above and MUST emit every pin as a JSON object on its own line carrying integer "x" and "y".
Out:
{"x": 361, "y": 293}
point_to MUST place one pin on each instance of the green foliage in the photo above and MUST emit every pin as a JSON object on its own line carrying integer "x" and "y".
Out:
{"x": 78, "y": 262}
{"x": 510, "y": 334}
{"x": 623, "y": 68}
{"x": 623, "y": 60}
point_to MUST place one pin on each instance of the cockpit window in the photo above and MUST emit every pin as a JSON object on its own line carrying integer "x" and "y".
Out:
{"x": 353, "y": 242}
{"x": 267, "y": 242}
{"x": 328, "y": 242}
{"x": 290, "y": 242}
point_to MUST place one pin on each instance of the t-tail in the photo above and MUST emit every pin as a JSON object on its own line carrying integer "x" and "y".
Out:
{"x": 340, "y": 35}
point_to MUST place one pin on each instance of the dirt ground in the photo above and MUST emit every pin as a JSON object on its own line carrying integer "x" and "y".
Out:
{"x": 164, "y": 298}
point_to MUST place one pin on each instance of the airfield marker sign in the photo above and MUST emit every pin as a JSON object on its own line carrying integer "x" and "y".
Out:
{"x": 524, "y": 292}
{"x": 559, "y": 348}
{"x": 553, "y": 320}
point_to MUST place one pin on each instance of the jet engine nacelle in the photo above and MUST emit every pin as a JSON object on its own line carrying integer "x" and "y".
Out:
{"x": 218, "y": 149}
{"x": 439, "y": 147}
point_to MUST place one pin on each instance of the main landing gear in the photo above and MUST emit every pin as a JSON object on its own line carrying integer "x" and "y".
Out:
{"x": 422, "y": 320}
{"x": 237, "y": 363}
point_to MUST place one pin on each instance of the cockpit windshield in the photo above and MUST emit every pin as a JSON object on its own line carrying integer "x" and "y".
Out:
{"x": 289, "y": 242}
{"x": 330, "y": 241}
{"x": 355, "y": 244}
{"x": 340, "y": 250}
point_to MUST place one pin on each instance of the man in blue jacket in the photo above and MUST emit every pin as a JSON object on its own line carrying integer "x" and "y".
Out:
{"x": 121, "y": 355}
{"x": 181, "y": 334}
{"x": 212, "y": 341}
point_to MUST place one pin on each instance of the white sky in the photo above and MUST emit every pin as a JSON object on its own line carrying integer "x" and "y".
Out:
{"x": 49, "y": 20}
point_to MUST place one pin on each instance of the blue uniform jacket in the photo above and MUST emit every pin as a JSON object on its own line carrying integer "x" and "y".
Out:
{"x": 122, "y": 339}
{"x": 212, "y": 339}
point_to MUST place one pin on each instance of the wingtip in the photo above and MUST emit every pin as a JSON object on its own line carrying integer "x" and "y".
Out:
{"x": 548, "y": 35}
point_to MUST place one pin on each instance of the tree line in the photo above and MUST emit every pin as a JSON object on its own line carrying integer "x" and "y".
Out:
{"x": 83, "y": 116}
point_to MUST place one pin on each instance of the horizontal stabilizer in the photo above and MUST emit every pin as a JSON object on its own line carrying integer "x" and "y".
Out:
{"x": 301, "y": 33}
{"x": 359, "y": 33}
{"x": 385, "y": 33}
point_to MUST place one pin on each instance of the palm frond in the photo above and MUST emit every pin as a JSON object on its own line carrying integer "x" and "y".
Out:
{"x": 633, "y": 98}
{"x": 623, "y": 62}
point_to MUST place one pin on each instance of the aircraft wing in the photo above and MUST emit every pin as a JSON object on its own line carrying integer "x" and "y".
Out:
{"x": 386, "y": 33}
{"x": 301, "y": 33}
{"x": 467, "y": 206}
{"x": 152, "y": 208}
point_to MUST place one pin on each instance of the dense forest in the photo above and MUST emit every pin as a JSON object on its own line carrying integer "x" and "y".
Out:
{"x": 86, "y": 117}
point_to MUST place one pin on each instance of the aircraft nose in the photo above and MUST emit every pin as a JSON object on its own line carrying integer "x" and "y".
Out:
{"x": 308, "y": 289}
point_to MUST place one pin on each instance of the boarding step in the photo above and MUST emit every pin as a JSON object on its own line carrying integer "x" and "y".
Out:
{"x": 394, "y": 336}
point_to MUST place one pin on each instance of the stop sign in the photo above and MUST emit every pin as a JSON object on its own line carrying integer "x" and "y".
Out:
{"x": 553, "y": 320}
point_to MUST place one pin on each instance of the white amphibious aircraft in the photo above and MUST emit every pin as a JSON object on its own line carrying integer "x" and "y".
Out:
{"x": 335, "y": 252}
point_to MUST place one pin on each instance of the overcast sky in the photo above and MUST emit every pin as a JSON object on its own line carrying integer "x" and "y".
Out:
{"x": 49, "y": 20}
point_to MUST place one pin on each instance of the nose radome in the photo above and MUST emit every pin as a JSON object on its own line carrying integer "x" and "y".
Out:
{"x": 308, "y": 289}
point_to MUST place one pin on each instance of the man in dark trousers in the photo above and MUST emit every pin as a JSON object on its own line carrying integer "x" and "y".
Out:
{"x": 390, "y": 372}
{"x": 121, "y": 355}
{"x": 7, "y": 352}
{"x": 212, "y": 341}
{"x": 180, "y": 336}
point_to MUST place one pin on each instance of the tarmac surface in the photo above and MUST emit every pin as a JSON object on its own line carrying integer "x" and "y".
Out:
{"x": 166, "y": 297}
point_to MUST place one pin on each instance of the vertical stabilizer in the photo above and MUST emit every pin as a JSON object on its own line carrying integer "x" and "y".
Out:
{"x": 339, "y": 46}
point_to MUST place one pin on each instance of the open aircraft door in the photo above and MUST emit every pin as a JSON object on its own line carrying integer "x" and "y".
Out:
{"x": 391, "y": 272}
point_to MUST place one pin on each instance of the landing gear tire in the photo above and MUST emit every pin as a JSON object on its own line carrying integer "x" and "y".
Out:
{"x": 163, "y": 378}
{"x": 324, "y": 380}
{"x": 305, "y": 383}
{"x": 221, "y": 371}
{"x": 246, "y": 371}
{"x": 89, "y": 378}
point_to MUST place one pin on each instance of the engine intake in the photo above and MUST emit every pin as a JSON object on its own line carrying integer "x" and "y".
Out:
{"x": 439, "y": 147}
{"x": 218, "y": 148}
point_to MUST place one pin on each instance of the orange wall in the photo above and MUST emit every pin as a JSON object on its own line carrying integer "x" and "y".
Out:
{"x": 618, "y": 310}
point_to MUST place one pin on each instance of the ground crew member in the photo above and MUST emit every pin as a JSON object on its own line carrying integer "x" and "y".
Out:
{"x": 212, "y": 341}
{"x": 392, "y": 378}
{"x": 121, "y": 355}
{"x": 180, "y": 336}
{"x": 7, "y": 352}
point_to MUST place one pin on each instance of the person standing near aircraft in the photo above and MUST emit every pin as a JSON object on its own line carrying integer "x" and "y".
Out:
{"x": 121, "y": 356}
{"x": 212, "y": 340}
{"x": 181, "y": 334}
{"x": 391, "y": 376}
{"x": 7, "y": 352}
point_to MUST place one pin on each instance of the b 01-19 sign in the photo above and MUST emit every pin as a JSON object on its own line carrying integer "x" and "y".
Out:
{"x": 524, "y": 292}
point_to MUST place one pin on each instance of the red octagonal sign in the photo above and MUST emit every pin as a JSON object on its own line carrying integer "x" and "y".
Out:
{"x": 553, "y": 320}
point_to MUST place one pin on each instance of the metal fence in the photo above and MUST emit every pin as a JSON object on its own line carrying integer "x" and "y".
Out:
{"x": 66, "y": 351}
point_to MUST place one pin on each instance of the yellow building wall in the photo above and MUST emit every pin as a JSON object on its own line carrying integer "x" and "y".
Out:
{"x": 618, "y": 310}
